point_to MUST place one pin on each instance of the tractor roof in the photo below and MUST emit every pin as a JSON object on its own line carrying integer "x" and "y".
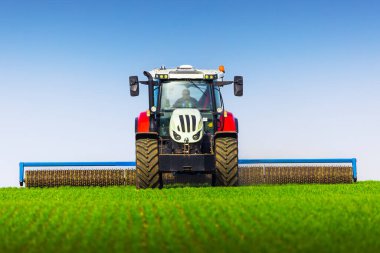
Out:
{"x": 185, "y": 72}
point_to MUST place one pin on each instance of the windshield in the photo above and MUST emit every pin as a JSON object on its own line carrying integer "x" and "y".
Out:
{"x": 186, "y": 94}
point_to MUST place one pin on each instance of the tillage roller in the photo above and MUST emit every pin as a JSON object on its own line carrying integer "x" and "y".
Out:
{"x": 187, "y": 136}
{"x": 250, "y": 172}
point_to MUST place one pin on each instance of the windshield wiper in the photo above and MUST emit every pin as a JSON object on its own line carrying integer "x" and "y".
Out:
{"x": 204, "y": 93}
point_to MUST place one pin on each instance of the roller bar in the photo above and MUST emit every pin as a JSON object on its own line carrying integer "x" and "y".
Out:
{"x": 22, "y": 165}
{"x": 291, "y": 161}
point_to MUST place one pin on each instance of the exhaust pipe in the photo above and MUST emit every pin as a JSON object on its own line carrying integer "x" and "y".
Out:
{"x": 152, "y": 127}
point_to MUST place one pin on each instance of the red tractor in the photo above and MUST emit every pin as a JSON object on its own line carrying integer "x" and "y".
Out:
{"x": 186, "y": 129}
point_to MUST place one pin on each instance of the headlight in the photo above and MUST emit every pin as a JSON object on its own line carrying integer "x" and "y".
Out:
{"x": 161, "y": 76}
{"x": 176, "y": 136}
{"x": 210, "y": 77}
{"x": 197, "y": 135}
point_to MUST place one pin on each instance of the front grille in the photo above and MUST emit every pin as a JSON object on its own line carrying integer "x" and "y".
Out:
{"x": 193, "y": 121}
{"x": 188, "y": 123}
{"x": 182, "y": 120}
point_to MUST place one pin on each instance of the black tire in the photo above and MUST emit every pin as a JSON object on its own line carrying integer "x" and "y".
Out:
{"x": 226, "y": 161}
{"x": 147, "y": 173}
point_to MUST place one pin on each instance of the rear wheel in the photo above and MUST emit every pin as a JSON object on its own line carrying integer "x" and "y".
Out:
{"x": 226, "y": 158}
{"x": 147, "y": 173}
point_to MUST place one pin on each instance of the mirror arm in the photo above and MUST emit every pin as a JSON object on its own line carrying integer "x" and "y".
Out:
{"x": 155, "y": 83}
{"x": 222, "y": 83}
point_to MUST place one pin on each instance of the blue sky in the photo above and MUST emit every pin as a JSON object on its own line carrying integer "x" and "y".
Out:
{"x": 311, "y": 69}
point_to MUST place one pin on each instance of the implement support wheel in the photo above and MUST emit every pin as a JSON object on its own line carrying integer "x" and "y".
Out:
{"x": 226, "y": 157}
{"x": 147, "y": 173}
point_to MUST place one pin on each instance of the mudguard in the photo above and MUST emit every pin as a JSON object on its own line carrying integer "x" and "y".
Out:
{"x": 142, "y": 127}
{"x": 227, "y": 123}
{"x": 142, "y": 123}
{"x": 228, "y": 126}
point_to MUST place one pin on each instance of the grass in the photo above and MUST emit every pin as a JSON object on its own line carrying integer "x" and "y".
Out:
{"x": 290, "y": 218}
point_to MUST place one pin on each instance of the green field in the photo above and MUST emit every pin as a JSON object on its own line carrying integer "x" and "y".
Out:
{"x": 290, "y": 218}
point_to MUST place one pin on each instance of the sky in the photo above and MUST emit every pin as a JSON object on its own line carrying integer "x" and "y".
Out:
{"x": 311, "y": 75}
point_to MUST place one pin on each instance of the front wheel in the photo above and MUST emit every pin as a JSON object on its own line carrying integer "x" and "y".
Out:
{"x": 147, "y": 172}
{"x": 226, "y": 161}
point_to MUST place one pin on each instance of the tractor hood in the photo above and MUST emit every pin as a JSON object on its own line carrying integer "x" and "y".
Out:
{"x": 186, "y": 125}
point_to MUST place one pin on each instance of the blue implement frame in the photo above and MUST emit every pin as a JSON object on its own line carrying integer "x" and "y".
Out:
{"x": 22, "y": 165}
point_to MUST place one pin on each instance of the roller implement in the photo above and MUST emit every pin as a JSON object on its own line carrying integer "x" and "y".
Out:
{"x": 187, "y": 136}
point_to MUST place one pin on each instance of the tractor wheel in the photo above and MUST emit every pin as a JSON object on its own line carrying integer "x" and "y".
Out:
{"x": 226, "y": 161}
{"x": 147, "y": 174}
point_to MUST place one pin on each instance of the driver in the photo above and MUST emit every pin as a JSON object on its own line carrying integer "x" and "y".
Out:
{"x": 186, "y": 100}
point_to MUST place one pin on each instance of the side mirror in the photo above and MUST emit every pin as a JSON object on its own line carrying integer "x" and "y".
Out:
{"x": 238, "y": 86}
{"x": 134, "y": 85}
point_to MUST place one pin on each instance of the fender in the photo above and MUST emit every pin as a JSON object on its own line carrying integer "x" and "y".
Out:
{"x": 228, "y": 126}
{"x": 142, "y": 123}
{"x": 219, "y": 134}
{"x": 227, "y": 123}
{"x": 142, "y": 127}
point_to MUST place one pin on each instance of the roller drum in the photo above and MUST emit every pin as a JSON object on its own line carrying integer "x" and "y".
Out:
{"x": 52, "y": 178}
{"x": 274, "y": 174}
{"x": 248, "y": 175}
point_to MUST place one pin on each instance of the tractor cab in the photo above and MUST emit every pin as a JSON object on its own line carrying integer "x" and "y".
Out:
{"x": 182, "y": 95}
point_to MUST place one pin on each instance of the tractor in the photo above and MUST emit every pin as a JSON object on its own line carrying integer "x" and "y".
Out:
{"x": 186, "y": 129}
